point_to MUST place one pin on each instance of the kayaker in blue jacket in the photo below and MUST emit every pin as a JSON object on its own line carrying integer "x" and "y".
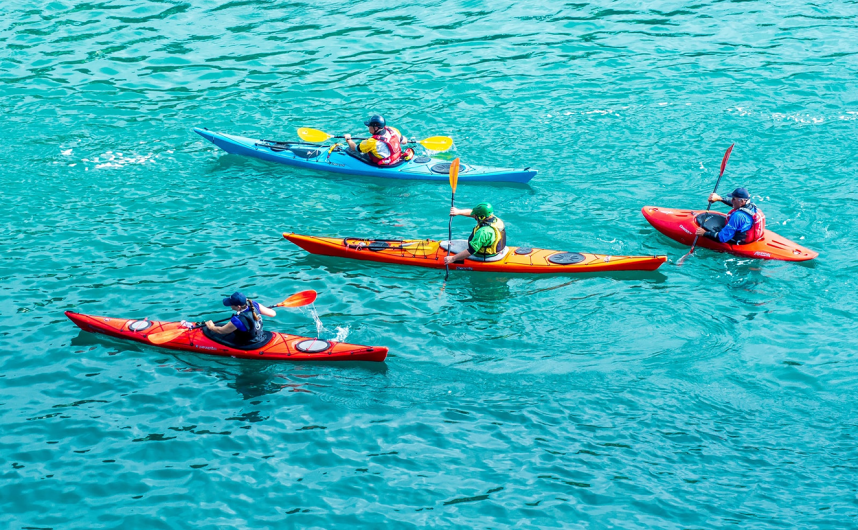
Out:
{"x": 745, "y": 222}
{"x": 245, "y": 326}
{"x": 487, "y": 239}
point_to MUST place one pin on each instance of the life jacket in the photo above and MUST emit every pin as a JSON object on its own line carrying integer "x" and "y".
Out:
{"x": 254, "y": 327}
{"x": 390, "y": 138}
{"x": 757, "y": 229}
{"x": 500, "y": 237}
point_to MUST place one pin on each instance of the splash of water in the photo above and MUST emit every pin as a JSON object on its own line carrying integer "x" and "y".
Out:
{"x": 342, "y": 332}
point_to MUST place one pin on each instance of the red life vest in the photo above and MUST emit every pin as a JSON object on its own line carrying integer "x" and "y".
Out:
{"x": 757, "y": 229}
{"x": 389, "y": 138}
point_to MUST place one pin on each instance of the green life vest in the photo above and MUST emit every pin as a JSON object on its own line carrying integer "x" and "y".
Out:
{"x": 498, "y": 242}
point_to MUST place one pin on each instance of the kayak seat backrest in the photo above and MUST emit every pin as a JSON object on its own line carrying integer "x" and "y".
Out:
{"x": 227, "y": 340}
{"x": 357, "y": 157}
{"x": 497, "y": 257}
{"x": 711, "y": 221}
{"x": 456, "y": 246}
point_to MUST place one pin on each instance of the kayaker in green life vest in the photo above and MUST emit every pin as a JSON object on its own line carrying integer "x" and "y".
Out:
{"x": 487, "y": 239}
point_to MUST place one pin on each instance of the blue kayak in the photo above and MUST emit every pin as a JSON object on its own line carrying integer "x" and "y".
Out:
{"x": 322, "y": 158}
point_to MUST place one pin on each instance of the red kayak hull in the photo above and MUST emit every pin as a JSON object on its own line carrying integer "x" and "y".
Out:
{"x": 681, "y": 225}
{"x": 282, "y": 347}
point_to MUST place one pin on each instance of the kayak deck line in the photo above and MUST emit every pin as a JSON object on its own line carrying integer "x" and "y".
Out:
{"x": 320, "y": 157}
{"x": 430, "y": 254}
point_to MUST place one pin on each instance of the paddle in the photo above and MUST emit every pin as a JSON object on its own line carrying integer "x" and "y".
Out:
{"x": 723, "y": 165}
{"x": 454, "y": 179}
{"x": 315, "y": 136}
{"x": 296, "y": 300}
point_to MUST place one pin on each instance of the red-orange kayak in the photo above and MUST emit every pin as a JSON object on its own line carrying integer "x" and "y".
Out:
{"x": 428, "y": 253}
{"x": 280, "y": 346}
{"x": 681, "y": 225}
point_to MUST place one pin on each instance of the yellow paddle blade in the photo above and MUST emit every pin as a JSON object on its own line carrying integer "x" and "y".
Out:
{"x": 454, "y": 174}
{"x": 437, "y": 143}
{"x": 313, "y": 135}
{"x": 299, "y": 299}
{"x": 166, "y": 336}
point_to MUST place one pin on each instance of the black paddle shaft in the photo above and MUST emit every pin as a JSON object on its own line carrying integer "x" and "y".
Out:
{"x": 449, "y": 236}
{"x": 709, "y": 205}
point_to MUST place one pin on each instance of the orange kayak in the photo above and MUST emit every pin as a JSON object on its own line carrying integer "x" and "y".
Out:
{"x": 280, "y": 346}
{"x": 428, "y": 253}
{"x": 680, "y": 225}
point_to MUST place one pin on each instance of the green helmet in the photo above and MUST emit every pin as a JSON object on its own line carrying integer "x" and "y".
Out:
{"x": 482, "y": 210}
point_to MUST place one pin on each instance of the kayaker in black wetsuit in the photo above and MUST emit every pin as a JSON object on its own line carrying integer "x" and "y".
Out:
{"x": 383, "y": 147}
{"x": 245, "y": 326}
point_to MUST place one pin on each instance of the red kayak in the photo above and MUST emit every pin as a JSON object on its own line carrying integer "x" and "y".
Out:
{"x": 681, "y": 225}
{"x": 277, "y": 346}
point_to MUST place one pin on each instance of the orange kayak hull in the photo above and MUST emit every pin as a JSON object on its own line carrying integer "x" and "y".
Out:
{"x": 429, "y": 253}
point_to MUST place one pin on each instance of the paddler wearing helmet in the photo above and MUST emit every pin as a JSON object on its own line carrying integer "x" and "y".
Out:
{"x": 745, "y": 222}
{"x": 383, "y": 147}
{"x": 245, "y": 326}
{"x": 487, "y": 239}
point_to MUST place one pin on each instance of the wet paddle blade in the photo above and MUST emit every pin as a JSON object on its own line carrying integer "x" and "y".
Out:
{"x": 726, "y": 157}
{"x": 299, "y": 299}
{"x": 313, "y": 135}
{"x": 454, "y": 174}
{"x": 437, "y": 143}
{"x": 166, "y": 336}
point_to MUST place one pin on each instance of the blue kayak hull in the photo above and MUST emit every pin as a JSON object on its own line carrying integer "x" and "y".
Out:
{"x": 317, "y": 157}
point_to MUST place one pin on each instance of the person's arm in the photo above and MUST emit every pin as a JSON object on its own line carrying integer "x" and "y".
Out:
{"x": 460, "y": 211}
{"x": 229, "y": 327}
{"x": 267, "y": 311}
{"x": 352, "y": 144}
{"x": 458, "y": 257}
{"x": 402, "y": 139}
{"x": 714, "y": 197}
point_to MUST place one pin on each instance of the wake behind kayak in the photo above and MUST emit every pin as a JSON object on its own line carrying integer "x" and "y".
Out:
{"x": 320, "y": 158}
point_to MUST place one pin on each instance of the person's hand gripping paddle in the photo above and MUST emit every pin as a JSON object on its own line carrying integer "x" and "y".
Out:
{"x": 296, "y": 300}
{"x": 723, "y": 165}
{"x": 454, "y": 179}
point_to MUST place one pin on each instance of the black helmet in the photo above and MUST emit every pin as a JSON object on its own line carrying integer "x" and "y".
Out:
{"x": 377, "y": 120}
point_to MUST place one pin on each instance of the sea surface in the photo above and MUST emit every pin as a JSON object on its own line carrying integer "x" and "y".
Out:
{"x": 718, "y": 394}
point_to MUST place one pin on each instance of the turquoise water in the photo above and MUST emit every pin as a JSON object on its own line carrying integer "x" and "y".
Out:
{"x": 718, "y": 394}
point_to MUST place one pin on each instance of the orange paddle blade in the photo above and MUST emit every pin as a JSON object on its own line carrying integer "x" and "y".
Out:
{"x": 166, "y": 336}
{"x": 454, "y": 174}
{"x": 299, "y": 299}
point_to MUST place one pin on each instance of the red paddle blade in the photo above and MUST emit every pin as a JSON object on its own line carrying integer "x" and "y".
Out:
{"x": 726, "y": 157}
{"x": 454, "y": 174}
{"x": 166, "y": 336}
{"x": 299, "y": 299}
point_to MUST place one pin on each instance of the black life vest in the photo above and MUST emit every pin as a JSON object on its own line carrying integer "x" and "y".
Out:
{"x": 254, "y": 327}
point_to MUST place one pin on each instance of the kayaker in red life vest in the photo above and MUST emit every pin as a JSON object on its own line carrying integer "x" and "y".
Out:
{"x": 383, "y": 148}
{"x": 245, "y": 326}
{"x": 745, "y": 222}
{"x": 487, "y": 239}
